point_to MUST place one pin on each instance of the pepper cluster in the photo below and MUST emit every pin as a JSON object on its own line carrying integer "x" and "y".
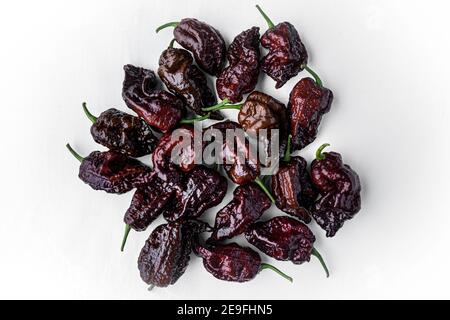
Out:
{"x": 181, "y": 191}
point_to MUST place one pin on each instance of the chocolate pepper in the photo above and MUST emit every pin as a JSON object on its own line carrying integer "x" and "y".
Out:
{"x": 285, "y": 239}
{"x": 205, "y": 42}
{"x": 340, "y": 189}
{"x": 241, "y": 76}
{"x": 122, "y": 132}
{"x": 111, "y": 171}
{"x": 234, "y": 263}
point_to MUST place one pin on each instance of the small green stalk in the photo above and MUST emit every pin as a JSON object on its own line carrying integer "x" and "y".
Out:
{"x": 287, "y": 155}
{"x": 198, "y": 119}
{"x": 261, "y": 184}
{"x": 172, "y": 43}
{"x": 167, "y": 25}
{"x": 125, "y": 237}
{"x": 266, "y": 17}
{"x": 271, "y": 267}
{"x": 319, "y": 155}
{"x": 225, "y": 104}
{"x": 322, "y": 262}
{"x": 74, "y": 153}
{"x": 314, "y": 74}
{"x": 89, "y": 114}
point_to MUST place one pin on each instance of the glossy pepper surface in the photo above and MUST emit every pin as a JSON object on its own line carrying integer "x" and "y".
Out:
{"x": 122, "y": 132}
{"x": 112, "y": 172}
{"x": 232, "y": 262}
{"x": 248, "y": 205}
{"x": 241, "y": 76}
{"x": 160, "y": 109}
{"x": 239, "y": 162}
{"x": 149, "y": 202}
{"x": 293, "y": 190}
{"x": 308, "y": 102}
{"x": 184, "y": 79}
{"x": 202, "y": 189}
{"x": 166, "y": 253}
{"x": 174, "y": 152}
{"x": 287, "y": 54}
{"x": 340, "y": 189}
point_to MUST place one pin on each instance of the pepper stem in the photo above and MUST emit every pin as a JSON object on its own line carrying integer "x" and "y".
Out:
{"x": 222, "y": 106}
{"x": 74, "y": 153}
{"x": 266, "y": 17}
{"x": 125, "y": 237}
{"x": 271, "y": 267}
{"x": 167, "y": 25}
{"x": 198, "y": 119}
{"x": 287, "y": 155}
{"x": 314, "y": 74}
{"x": 151, "y": 287}
{"x": 322, "y": 262}
{"x": 172, "y": 43}
{"x": 89, "y": 114}
{"x": 261, "y": 184}
{"x": 319, "y": 155}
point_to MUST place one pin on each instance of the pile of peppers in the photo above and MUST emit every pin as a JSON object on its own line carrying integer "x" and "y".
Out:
{"x": 327, "y": 191}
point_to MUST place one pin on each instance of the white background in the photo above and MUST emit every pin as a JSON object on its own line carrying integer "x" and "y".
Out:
{"x": 388, "y": 65}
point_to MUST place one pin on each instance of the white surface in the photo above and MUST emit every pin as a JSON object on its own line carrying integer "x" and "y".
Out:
{"x": 386, "y": 61}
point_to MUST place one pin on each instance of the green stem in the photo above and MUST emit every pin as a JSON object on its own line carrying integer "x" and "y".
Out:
{"x": 266, "y": 17}
{"x": 322, "y": 262}
{"x": 319, "y": 155}
{"x": 151, "y": 287}
{"x": 125, "y": 237}
{"x": 271, "y": 267}
{"x": 198, "y": 119}
{"x": 224, "y": 107}
{"x": 74, "y": 153}
{"x": 314, "y": 74}
{"x": 219, "y": 105}
{"x": 287, "y": 155}
{"x": 172, "y": 43}
{"x": 89, "y": 114}
{"x": 167, "y": 25}
{"x": 261, "y": 184}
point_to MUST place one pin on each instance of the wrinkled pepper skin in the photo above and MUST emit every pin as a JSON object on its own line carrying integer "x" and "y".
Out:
{"x": 159, "y": 109}
{"x": 162, "y": 156}
{"x": 248, "y": 205}
{"x": 307, "y": 104}
{"x": 122, "y": 132}
{"x": 283, "y": 238}
{"x": 150, "y": 201}
{"x": 113, "y": 172}
{"x": 202, "y": 189}
{"x": 293, "y": 190}
{"x": 241, "y": 76}
{"x": 166, "y": 253}
{"x": 184, "y": 79}
{"x": 287, "y": 54}
{"x": 205, "y": 42}
{"x": 340, "y": 189}
{"x": 230, "y": 262}
{"x": 240, "y": 171}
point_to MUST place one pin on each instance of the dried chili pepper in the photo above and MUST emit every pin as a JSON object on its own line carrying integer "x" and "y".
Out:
{"x": 287, "y": 54}
{"x": 149, "y": 202}
{"x": 166, "y": 253}
{"x": 160, "y": 109}
{"x": 205, "y": 42}
{"x": 232, "y": 262}
{"x": 111, "y": 171}
{"x": 292, "y": 188}
{"x": 184, "y": 79}
{"x": 241, "y": 76}
{"x": 340, "y": 189}
{"x": 202, "y": 189}
{"x": 248, "y": 205}
{"x": 122, "y": 132}
{"x": 171, "y": 152}
{"x": 308, "y": 102}
{"x": 285, "y": 239}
